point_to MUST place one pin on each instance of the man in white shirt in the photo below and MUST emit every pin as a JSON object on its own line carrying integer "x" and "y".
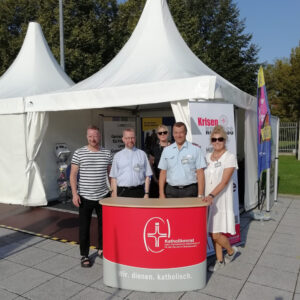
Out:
{"x": 131, "y": 171}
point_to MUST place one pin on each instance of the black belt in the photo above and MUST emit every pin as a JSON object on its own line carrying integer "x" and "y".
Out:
{"x": 181, "y": 187}
{"x": 131, "y": 187}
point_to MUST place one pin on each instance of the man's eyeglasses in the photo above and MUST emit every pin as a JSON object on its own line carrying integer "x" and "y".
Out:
{"x": 220, "y": 139}
{"x": 162, "y": 132}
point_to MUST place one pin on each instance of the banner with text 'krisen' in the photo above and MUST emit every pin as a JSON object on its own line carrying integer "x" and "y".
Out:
{"x": 204, "y": 116}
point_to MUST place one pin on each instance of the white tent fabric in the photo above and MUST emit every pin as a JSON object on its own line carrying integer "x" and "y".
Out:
{"x": 34, "y": 71}
{"x": 36, "y": 125}
{"x": 12, "y": 158}
{"x": 154, "y": 66}
{"x": 154, "y": 52}
{"x": 181, "y": 112}
{"x": 250, "y": 146}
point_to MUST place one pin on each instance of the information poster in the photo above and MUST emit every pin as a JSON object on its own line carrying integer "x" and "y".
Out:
{"x": 204, "y": 116}
{"x": 149, "y": 126}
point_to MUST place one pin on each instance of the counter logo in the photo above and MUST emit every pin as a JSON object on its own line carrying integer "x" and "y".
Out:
{"x": 156, "y": 231}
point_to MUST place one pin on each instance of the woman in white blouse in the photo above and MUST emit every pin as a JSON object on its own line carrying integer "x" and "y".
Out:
{"x": 219, "y": 194}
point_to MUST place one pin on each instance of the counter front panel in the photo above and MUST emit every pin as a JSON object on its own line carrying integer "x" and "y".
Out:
{"x": 154, "y": 238}
{"x": 154, "y": 249}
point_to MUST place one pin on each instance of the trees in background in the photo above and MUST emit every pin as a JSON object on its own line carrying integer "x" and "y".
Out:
{"x": 283, "y": 86}
{"x": 89, "y": 43}
{"x": 95, "y": 30}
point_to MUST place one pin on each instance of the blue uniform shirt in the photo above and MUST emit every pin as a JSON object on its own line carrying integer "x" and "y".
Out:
{"x": 130, "y": 167}
{"x": 181, "y": 165}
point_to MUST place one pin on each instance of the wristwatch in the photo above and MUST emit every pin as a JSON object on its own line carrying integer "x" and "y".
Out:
{"x": 211, "y": 195}
{"x": 200, "y": 196}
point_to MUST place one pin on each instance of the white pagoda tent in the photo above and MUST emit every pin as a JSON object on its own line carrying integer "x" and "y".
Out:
{"x": 34, "y": 71}
{"x": 155, "y": 68}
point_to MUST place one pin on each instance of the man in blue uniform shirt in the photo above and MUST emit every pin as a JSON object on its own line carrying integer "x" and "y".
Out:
{"x": 130, "y": 170}
{"x": 181, "y": 166}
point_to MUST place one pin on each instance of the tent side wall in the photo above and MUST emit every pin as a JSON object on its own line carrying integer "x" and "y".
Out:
{"x": 12, "y": 176}
{"x": 250, "y": 145}
{"x": 64, "y": 127}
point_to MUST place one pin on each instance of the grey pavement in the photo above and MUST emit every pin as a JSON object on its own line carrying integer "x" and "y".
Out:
{"x": 33, "y": 267}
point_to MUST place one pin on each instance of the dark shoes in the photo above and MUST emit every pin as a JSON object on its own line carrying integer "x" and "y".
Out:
{"x": 85, "y": 262}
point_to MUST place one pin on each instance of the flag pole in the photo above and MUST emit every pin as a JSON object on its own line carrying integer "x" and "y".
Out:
{"x": 264, "y": 137}
{"x": 268, "y": 180}
{"x": 61, "y": 35}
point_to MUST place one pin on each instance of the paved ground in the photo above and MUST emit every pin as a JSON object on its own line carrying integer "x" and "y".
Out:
{"x": 33, "y": 267}
{"x": 60, "y": 222}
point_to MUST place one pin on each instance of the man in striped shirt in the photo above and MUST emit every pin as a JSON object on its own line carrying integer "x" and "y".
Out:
{"x": 93, "y": 164}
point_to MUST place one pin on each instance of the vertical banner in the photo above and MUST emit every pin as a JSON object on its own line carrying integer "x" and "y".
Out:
{"x": 113, "y": 131}
{"x": 263, "y": 125}
{"x": 204, "y": 116}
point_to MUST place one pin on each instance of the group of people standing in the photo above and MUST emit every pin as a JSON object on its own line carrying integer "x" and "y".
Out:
{"x": 175, "y": 170}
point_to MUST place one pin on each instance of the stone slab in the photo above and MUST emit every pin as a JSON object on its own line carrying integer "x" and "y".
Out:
{"x": 273, "y": 278}
{"x": 256, "y": 291}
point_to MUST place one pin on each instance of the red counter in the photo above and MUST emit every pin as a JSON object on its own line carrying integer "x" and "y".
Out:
{"x": 154, "y": 244}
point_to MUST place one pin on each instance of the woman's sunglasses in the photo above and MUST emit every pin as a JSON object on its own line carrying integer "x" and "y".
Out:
{"x": 162, "y": 132}
{"x": 220, "y": 139}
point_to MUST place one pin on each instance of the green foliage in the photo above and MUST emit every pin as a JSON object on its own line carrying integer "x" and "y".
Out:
{"x": 95, "y": 30}
{"x": 289, "y": 175}
{"x": 283, "y": 86}
{"x": 14, "y": 16}
{"x": 89, "y": 44}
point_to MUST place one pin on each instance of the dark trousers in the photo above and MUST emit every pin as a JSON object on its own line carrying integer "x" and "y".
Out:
{"x": 154, "y": 189}
{"x": 134, "y": 192}
{"x": 176, "y": 192}
{"x": 85, "y": 216}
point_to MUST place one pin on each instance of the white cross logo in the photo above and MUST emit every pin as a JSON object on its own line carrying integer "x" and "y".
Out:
{"x": 159, "y": 224}
{"x": 157, "y": 235}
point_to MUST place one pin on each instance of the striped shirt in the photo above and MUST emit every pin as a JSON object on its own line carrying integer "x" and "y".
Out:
{"x": 93, "y": 177}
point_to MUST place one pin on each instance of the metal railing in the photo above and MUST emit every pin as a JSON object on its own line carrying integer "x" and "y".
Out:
{"x": 288, "y": 133}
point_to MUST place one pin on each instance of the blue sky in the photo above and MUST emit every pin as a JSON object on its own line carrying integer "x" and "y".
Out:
{"x": 275, "y": 25}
